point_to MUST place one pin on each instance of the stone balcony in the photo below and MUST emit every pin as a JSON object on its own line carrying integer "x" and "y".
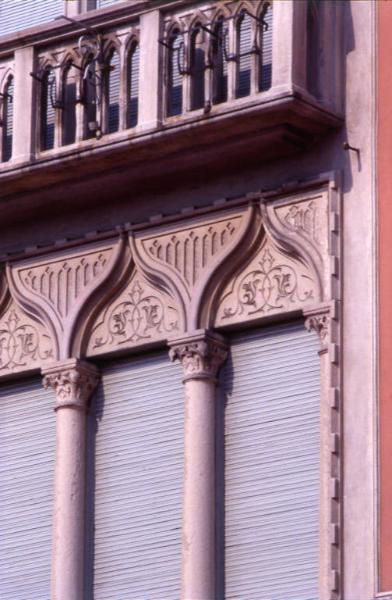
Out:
{"x": 289, "y": 115}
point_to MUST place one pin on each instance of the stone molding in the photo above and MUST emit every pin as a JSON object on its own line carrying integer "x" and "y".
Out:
{"x": 201, "y": 354}
{"x": 73, "y": 382}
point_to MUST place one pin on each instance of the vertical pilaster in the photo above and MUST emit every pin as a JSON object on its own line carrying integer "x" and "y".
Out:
{"x": 150, "y": 70}
{"x": 324, "y": 322}
{"x": 23, "y": 142}
{"x": 201, "y": 356}
{"x": 73, "y": 382}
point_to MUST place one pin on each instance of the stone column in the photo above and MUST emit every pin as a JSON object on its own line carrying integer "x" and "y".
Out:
{"x": 73, "y": 382}
{"x": 201, "y": 356}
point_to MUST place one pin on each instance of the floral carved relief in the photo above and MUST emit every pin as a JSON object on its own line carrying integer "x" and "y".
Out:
{"x": 24, "y": 343}
{"x": 273, "y": 282}
{"x": 141, "y": 314}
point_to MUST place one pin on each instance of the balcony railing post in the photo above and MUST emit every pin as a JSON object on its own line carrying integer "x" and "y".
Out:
{"x": 24, "y": 105}
{"x": 151, "y": 68}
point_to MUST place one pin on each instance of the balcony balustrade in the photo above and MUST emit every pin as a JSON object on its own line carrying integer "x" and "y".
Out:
{"x": 150, "y": 87}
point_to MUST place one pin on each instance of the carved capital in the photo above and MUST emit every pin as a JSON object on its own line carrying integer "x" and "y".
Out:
{"x": 201, "y": 354}
{"x": 73, "y": 382}
{"x": 319, "y": 320}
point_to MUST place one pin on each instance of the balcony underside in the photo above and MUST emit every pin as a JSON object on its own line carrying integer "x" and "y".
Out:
{"x": 127, "y": 163}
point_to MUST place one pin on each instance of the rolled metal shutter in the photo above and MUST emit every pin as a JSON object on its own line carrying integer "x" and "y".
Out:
{"x": 272, "y": 462}
{"x": 265, "y": 77}
{"x": 138, "y": 447}
{"x": 27, "y": 454}
{"x": 21, "y": 14}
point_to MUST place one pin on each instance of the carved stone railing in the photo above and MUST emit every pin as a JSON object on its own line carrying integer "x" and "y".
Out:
{"x": 259, "y": 258}
{"x": 280, "y": 119}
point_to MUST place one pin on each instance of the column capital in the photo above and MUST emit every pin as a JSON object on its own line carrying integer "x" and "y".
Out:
{"x": 73, "y": 382}
{"x": 201, "y": 354}
{"x": 319, "y": 319}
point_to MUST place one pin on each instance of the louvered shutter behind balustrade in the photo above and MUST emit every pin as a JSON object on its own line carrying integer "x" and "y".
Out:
{"x": 133, "y": 86}
{"x": 114, "y": 94}
{"x": 271, "y": 384}
{"x": 48, "y": 113}
{"x": 265, "y": 76}
{"x": 9, "y": 121}
{"x": 20, "y": 14}
{"x": 27, "y": 453}
{"x": 138, "y": 449}
{"x": 245, "y": 35}
{"x": 176, "y": 57}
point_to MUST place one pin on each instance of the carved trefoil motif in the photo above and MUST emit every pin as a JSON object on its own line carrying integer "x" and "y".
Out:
{"x": 273, "y": 282}
{"x": 24, "y": 343}
{"x": 141, "y": 314}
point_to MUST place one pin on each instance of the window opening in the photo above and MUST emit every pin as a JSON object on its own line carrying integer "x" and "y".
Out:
{"x": 69, "y": 105}
{"x": 219, "y": 62}
{"x": 265, "y": 60}
{"x": 8, "y": 119}
{"x": 114, "y": 78}
{"x": 90, "y": 99}
{"x": 244, "y": 50}
{"x": 48, "y": 103}
{"x": 197, "y": 67}
{"x": 133, "y": 85}
{"x": 175, "y": 71}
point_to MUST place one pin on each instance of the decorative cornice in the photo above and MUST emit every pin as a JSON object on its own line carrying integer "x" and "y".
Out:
{"x": 73, "y": 382}
{"x": 201, "y": 354}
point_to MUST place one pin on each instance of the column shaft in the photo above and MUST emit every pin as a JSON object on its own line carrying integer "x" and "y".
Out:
{"x": 73, "y": 382}
{"x": 201, "y": 356}
{"x": 198, "y": 580}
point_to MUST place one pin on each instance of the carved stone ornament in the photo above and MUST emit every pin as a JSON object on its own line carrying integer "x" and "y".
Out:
{"x": 183, "y": 257}
{"x": 201, "y": 355}
{"x": 140, "y": 314}
{"x": 24, "y": 343}
{"x": 73, "y": 382}
{"x": 58, "y": 287}
{"x": 273, "y": 282}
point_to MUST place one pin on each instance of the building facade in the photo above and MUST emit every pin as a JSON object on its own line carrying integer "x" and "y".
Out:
{"x": 190, "y": 257}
